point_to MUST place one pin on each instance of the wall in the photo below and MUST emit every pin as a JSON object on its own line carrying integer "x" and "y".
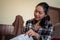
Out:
{"x": 10, "y": 8}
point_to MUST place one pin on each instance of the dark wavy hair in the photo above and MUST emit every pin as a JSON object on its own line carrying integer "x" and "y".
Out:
{"x": 43, "y": 21}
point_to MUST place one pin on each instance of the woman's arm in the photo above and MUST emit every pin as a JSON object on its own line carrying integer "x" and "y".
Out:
{"x": 46, "y": 33}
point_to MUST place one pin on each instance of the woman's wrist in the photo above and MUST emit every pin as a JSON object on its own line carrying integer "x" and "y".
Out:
{"x": 37, "y": 36}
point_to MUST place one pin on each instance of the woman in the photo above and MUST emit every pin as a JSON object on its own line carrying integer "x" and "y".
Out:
{"x": 40, "y": 27}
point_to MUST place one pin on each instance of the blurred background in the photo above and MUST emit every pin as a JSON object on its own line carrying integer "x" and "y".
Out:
{"x": 10, "y": 8}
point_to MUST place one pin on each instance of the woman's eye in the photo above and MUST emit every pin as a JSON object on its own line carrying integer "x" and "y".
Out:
{"x": 40, "y": 12}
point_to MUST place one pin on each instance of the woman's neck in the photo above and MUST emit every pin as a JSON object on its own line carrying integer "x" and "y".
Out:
{"x": 37, "y": 19}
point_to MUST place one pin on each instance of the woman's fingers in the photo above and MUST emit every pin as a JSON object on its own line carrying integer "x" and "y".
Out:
{"x": 30, "y": 34}
{"x": 27, "y": 33}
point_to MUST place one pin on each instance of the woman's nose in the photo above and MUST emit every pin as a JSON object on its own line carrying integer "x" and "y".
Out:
{"x": 37, "y": 14}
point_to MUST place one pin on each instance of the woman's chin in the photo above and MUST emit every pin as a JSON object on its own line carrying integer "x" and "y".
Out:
{"x": 37, "y": 19}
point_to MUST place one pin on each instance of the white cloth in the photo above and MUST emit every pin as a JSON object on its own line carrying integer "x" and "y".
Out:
{"x": 22, "y": 37}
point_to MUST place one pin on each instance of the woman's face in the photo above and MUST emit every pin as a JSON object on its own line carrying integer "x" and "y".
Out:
{"x": 39, "y": 13}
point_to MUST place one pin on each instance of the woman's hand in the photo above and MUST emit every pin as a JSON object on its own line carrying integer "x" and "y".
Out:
{"x": 32, "y": 33}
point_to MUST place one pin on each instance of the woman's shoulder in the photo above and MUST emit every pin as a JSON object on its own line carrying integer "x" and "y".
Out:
{"x": 49, "y": 24}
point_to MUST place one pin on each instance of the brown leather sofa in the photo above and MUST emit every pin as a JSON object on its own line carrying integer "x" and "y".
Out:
{"x": 56, "y": 32}
{"x": 5, "y": 31}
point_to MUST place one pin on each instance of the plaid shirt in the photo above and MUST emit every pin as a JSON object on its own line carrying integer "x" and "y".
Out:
{"x": 45, "y": 33}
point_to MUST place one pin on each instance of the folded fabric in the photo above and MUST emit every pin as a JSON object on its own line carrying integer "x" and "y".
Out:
{"x": 22, "y": 37}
